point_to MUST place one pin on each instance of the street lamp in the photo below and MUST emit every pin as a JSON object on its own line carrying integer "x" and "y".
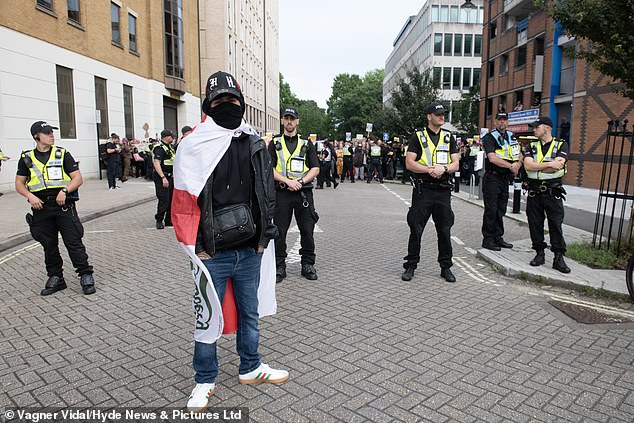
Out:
{"x": 468, "y": 5}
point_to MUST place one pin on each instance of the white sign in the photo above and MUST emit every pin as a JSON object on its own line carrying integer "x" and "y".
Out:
{"x": 359, "y": 136}
{"x": 479, "y": 163}
{"x": 348, "y": 136}
{"x": 313, "y": 137}
{"x": 368, "y": 127}
{"x": 98, "y": 115}
{"x": 523, "y": 117}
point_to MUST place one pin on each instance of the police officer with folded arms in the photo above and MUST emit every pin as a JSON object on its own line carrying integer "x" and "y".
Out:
{"x": 49, "y": 177}
{"x": 432, "y": 156}
{"x": 164, "y": 154}
{"x": 295, "y": 166}
{"x": 348, "y": 168}
{"x": 375, "y": 157}
{"x": 545, "y": 164}
{"x": 502, "y": 163}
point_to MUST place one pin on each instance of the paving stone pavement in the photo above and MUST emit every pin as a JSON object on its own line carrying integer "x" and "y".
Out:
{"x": 361, "y": 345}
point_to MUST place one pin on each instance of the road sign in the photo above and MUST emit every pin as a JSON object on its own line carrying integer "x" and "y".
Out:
{"x": 368, "y": 127}
{"x": 386, "y": 136}
{"x": 348, "y": 136}
{"x": 98, "y": 116}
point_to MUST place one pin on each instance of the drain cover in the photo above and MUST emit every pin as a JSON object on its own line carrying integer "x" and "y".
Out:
{"x": 588, "y": 315}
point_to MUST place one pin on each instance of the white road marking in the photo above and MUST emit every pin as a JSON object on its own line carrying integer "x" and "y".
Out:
{"x": 19, "y": 252}
{"x": 475, "y": 274}
{"x": 407, "y": 203}
{"x": 293, "y": 254}
{"x": 458, "y": 241}
{"x": 598, "y": 307}
{"x": 471, "y": 250}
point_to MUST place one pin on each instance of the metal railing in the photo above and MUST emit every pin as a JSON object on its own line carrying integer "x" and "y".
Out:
{"x": 616, "y": 190}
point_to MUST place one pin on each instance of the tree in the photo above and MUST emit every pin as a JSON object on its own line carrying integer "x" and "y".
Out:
{"x": 409, "y": 100}
{"x": 287, "y": 98}
{"x": 606, "y": 26}
{"x": 467, "y": 112}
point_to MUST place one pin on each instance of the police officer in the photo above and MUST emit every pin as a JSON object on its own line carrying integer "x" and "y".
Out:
{"x": 163, "y": 179}
{"x": 375, "y": 157}
{"x": 502, "y": 164}
{"x": 545, "y": 164}
{"x": 295, "y": 165}
{"x": 432, "y": 156}
{"x": 348, "y": 168}
{"x": 49, "y": 177}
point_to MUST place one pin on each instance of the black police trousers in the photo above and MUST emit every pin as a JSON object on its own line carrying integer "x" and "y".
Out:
{"x": 45, "y": 227}
{"x": 374, "y": 165}
{"x": 495, "y": 191}
{"x": 348, "y": 169}
{"x": 325, "y": 174}
{"x": 287, "y": 203}
{"x": 164, "y": 195}
{"x": 437, "y": 204}
{"x": 553, "y": 208}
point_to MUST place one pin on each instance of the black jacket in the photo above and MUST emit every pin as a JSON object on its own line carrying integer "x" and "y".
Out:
{"x": 264, "y": 193}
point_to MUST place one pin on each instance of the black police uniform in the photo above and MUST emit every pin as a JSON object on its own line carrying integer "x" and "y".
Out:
{"x": 430, "y": 197}
{"x": 113, "y": 165}
{"x": 53, "y": 219}
{"x": 495, "y": 188}
{"x": 299, "y": 202}
{"x": 348, "y": 168}
{"x": 375, "y": 163}
{"x": 545, "y": 198}
{"x": 165, "y": 154}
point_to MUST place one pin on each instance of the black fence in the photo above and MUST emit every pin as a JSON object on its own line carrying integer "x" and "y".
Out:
{"x": 613, "y": 226}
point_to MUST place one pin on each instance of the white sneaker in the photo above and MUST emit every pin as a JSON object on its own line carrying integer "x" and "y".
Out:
{"x": 264, "y": 374}
{"x": 199, "y": 399}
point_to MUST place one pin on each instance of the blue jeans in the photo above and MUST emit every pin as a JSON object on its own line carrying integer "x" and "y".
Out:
{"x": 242, "y": 265}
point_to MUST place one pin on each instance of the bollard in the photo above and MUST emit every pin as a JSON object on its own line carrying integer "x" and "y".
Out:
{"x": 517, "y": 194}
{"x": 456, "y": 182}
{"x": 480, "y": 184}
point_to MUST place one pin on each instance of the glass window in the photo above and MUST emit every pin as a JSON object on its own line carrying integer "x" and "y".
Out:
{"x": 493, "y": 30}
{"x": 128, "y": 113}
{"x": 480, "y": 14}
{"x": 477, "y": 50}
{"x": 101, "y": 104}
{"x": 448, "y": 45}
{"x": 65, "y": 102}
{"x": 437, "y": 44}
{"x": 473, "y": 16}
{"x": 468, "y": 44}
{"x": 466, "y": 78}
{"x": 476, "y": 76}
{"x": 457, "y": 45}
{"x": 504, "y": 64}
{"x": 175, "y": 62}
{"x": 464, "y": 15}
{"x": 437, "y": 75}
{"x": 491, "y": 68}
{"x": 444, "y": 13}
{"x": 132, "y": 32}
{"x": 45, "y": 3}
{"x": 435, "y": 13}
{"x": 453, "y": 14}
{"x": 521, "y": 56}
{"x": 73, "y": 10}
{"x": 115, "y": 23}
{"x": 446, "y": 78}
{"x": 457, "y": 72}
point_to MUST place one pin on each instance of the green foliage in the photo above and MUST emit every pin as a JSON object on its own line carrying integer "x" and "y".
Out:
{"x": 287, "y": 98}
{"x": 409, "y": 100}
{"x": 607, "y": 26}
{"x": 313, "y": 119}
{"x": 601, "y": 259}
{"x": 467, "y": 111}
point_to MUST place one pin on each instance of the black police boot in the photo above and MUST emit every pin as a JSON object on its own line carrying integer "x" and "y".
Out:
{"x": 335, "y": 184}
{"x": 87, "y": 283}
{"x": 491, "y": 246}
{"x": 159, "y": 224}
{"x": 447, "y": 275}
{"x": 408, "y": 274}
{"x": 539, "y": 258}
{"x": 560, "y": 264}
{"x": 168, "y": 223}
{"x": 53, "y": 284}
{"x": 504, "y": 244}
{"x": 309, "y": 272}
{"x": 280, "y": 274}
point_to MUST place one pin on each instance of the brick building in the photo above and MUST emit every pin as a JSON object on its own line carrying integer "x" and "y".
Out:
{"x": 528, "y": 58}
{"x": 136, "y": 61}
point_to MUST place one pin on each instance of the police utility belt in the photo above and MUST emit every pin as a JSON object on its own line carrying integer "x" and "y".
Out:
{"x": 556, "y": 189}
{"x": 420, "y": 184}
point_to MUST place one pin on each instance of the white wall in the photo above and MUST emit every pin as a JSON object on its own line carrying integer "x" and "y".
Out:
{"x": 28, "y": 92}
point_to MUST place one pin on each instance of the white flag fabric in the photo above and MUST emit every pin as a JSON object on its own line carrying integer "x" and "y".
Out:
{"x": 197, "y": 156}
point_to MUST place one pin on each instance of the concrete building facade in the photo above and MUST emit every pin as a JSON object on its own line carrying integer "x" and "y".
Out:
{"x": 530, "y": 59}
{"x": 134, "y": 61}
{"x": 242, "y": 37}
{"x": 443, "y": 37}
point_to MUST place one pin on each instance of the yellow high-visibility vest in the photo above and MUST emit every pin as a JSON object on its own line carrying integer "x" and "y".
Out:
{"x": 540, "y": 157}
{"x": 291, "y": 165}
{"x": 46, "y": 175}
{"x": 438, "y": 155}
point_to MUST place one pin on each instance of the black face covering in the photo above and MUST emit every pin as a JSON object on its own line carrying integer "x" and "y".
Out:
{"x": 227, "y": 115}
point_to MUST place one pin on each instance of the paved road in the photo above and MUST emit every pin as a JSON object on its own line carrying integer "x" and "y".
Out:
{"x": 361, "y": 345}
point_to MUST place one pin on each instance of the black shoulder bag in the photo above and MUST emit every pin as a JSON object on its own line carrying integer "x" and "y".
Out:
{"x": 232, "y": 225}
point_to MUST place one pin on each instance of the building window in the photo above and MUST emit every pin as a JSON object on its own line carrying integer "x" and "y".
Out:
{"x": 539, "y": 46}
{"x": 476, "y": 76}
{"x": 101, "y": 104}
{"x": 115, "y": 22}
{"x": 491, "y": 68}
{"x": 489, "y": 106}
{"x": 448, "y": 46}
{"x": 48, "y": 4}
{"x": 435, "y": 13}
{"x": 175, "y": 65}
{"x": 132, "y": 32}
{"x": 457, "y": 45}
{"x": 481, "y": 14}
{"x": 504, "y": 64}
{"x": 437, "y": 76}
{"x": 128, "y": 112}
{"x": 473, "y": 16}
{"x": 477, "y": 50}
{"x": 466, "y": 78}
{"x": 73, "y": 10}
{"x": 464, "y": 15}
{"x": 437, "y": 44}
{"x": 502, "y": 104}
{"x": 468, "y": 44}
{"x": 65, "y": 102}
{"x": 446, "y": 78}
{"x": 453, "y": 14}
{"x": 444, "y": 13}
{"x": 493, "y": 30}
{"x": 521, "y": 56}
{"x": 456, "y": 78}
